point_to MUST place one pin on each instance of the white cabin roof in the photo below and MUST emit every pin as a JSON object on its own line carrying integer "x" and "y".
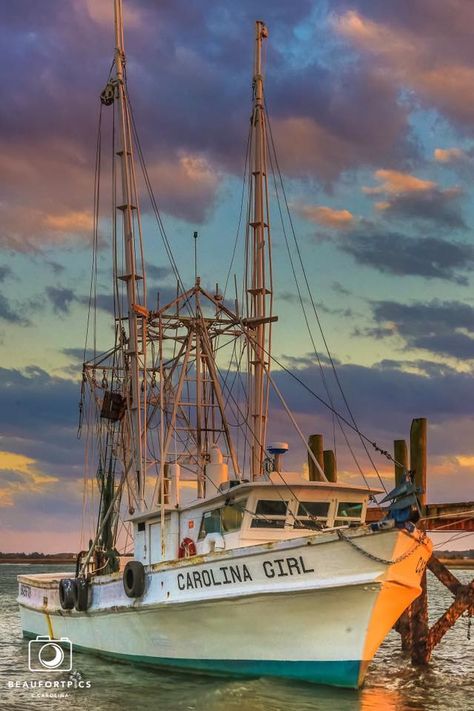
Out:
{"x": 291, "y": 482}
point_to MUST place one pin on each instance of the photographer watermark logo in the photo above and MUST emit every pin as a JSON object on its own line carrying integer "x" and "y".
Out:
{"x": 46, "y": 654}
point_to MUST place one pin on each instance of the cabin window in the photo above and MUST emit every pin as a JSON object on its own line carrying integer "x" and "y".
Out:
{"x": 348, "y": 512}
{"x": 231, "y": 516}
{"x": 211, "y": 523}
{"x": 270, "y": 513}
{"x": 349, "y": 509}
{"x": 312, "y": 514}
{"x": 223, "y": 520}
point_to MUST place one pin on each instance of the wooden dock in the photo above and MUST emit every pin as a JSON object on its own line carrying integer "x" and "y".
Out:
{"x": 449, "y": 517}
{"x": 417, "y": 637}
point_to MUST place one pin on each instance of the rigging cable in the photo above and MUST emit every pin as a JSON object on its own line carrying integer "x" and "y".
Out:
{"x": 331, "y": 360}
{"x": 300, "y": 297}
{"x": 154, "y": 204}
{"x": 367, "y": 439}
{"x": 242, "y": 196}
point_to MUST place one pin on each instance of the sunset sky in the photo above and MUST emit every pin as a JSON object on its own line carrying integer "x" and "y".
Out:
{"x": 372, "y": 110}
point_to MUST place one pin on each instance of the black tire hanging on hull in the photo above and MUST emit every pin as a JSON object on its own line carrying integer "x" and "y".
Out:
{"x": 82, "y": 594}
{"x": 134, "y": 579}
{"x": 67, "y": 593}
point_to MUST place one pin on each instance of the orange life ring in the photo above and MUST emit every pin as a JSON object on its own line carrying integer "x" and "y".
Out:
{"x": 187, "y": 548}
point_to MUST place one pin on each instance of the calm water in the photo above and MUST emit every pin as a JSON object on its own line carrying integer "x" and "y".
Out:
{"x": 392, "y": 684}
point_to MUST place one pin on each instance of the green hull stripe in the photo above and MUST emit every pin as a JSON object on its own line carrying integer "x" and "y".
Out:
{"x": 332, "y": 673}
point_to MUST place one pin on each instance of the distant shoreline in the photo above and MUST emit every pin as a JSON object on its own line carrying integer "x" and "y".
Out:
{"x": 71, "y": 560}
{"x": 38, "y": 561}
{"x": 457, "y": 562}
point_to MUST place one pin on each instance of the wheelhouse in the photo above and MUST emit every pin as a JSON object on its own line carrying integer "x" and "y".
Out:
{"x": 250, "y": 512}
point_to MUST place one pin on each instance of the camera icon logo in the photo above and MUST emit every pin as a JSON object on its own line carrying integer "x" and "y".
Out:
{"x": 46, "y": 654}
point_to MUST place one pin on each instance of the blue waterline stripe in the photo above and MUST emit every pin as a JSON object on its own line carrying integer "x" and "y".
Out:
{"x": 332, "y": 673}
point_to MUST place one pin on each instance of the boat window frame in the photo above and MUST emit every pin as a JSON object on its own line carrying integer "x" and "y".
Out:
{"x": 350, "y": 520}
{"x": 266, "y": 518}
{"x": 219, "y": 508}
{"x": 318, "y": 520}
{"x": 328, "y": 495}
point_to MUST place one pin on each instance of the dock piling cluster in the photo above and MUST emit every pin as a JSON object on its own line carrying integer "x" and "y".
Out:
{"x": 417, "y": 637}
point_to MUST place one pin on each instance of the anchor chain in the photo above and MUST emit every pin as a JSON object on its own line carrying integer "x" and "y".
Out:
{"x": 378, "y": 559}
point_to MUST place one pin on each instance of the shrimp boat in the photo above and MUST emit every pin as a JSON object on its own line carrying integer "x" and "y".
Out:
{"x": 233, "y": 556}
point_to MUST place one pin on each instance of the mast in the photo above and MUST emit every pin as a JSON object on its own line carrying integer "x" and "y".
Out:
{"x": 127, "y": 208}
{"x": 259, "y": 267}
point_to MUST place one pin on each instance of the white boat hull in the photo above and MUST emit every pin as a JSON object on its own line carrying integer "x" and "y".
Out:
{"x": 312, "y": 608}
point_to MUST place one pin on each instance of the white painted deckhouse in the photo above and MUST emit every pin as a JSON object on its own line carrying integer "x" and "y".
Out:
{"x": 209, "y": 555}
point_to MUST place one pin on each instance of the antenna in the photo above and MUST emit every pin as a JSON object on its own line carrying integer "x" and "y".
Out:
{"x": 195, "y": 255}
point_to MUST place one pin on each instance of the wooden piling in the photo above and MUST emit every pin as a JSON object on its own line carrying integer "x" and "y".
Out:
{"x": 417, "y": 637}
{"x": 418, "y": 455}
{"x": 403, "y": 626}
{"x": 330, "y": 466}
{"x": 400, "y": 454}
{"x": 463, "y": 601}
{"x": 421, "y": 650}
{"x": 315, "y": 443}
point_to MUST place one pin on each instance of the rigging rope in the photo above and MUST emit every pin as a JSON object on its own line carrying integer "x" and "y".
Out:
{"x": 153, "y": 202}
{"x": 242, "y": 422}
{"x": 313, "y": 305}
{"x": 239, "y": 223}
{"x": 367, "y": 439}
{"x": 323, "y": 375}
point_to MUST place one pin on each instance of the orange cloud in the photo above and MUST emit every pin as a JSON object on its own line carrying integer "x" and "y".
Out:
{"x": 400, "y": 49}
{"x": 465, "y": 461}
{"x": 448, "y": 155}
{"x": 28, "y": 228}
{"x": 327, "y": 216}
{"x": 18, "y": 475}
{"x": 305, "y": 147}
{"x": 405, "y": 194}
{"x": 48, "y": 193}
{"x": 103, "y": 14}
{"x": 395, "y": 183}
{"x": 69, "y": 222}
{"x": 186, "y": 185}
{"x": 413, "y": 60}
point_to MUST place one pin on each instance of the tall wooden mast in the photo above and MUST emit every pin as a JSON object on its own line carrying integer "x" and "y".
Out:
{"x": 259, "y": 275}
{"x": 127, "y": 208}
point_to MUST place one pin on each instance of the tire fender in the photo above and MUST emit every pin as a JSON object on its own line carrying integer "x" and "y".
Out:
{"x": 83, "y": 591}
{"x": 67, "y": 593}
{"x": 134, "y": 579}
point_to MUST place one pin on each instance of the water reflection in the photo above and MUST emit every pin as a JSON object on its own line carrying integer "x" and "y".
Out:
{"x": 386, "y": 700}
{"x": 392, "y": 684}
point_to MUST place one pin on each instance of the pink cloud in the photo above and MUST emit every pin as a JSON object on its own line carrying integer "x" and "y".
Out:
{"x": 393, "y": 182}
{"x": 327, "y": 216}
{"x": 306, "y": 147}
{"x": 405, "y": 195}
{"x": 186, "y": 185}
{"x": 449, "y": 155}
{"x": 415, "y": 59}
